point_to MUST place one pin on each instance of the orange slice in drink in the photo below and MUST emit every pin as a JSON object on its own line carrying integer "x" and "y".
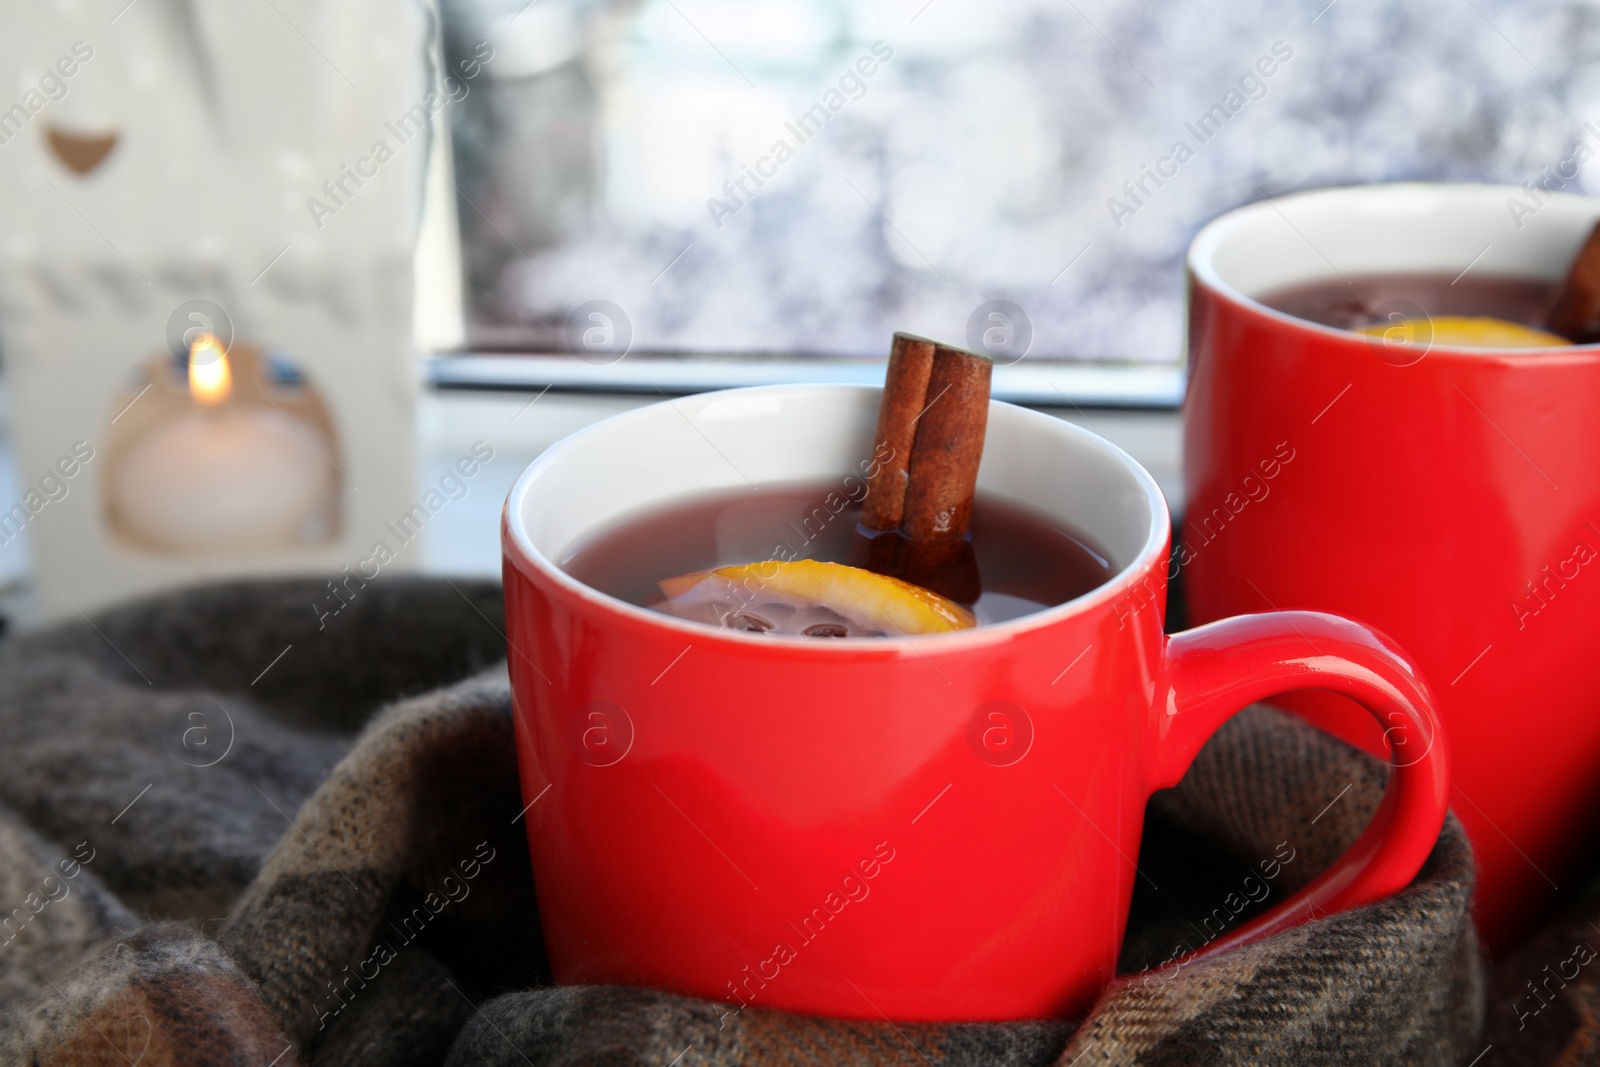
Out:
{"x": 813, "y": 598}
{"x": 1466, "y": 331}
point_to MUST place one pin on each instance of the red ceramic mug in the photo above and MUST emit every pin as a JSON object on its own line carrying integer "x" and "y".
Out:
{"x": 1448, "y": 496}
{"x": 936, "y": 827}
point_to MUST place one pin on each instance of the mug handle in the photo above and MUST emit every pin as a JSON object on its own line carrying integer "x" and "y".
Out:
{"x": 1215, "y": 670}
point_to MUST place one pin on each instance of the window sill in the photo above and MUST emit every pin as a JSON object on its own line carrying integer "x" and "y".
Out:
{"x": 1041, "y": 383}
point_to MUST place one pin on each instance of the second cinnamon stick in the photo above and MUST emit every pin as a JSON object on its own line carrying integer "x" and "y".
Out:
{"x": 1575, "y": 314}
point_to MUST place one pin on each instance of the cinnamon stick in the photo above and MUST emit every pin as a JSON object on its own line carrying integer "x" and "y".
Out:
{"x": 948, "y": 447}
{"x": 918, "y": 507}
{"x": 905, "y": 392}
{"x": 1576, "y": 312}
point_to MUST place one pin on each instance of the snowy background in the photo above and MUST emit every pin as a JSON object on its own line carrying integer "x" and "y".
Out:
{"x": 976, "y": 165}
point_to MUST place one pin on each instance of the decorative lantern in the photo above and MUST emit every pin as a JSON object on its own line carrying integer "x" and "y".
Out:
{"x": 206, "y": 285}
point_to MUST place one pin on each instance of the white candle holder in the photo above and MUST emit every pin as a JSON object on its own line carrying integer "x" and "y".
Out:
{"x": 164, "y": 189}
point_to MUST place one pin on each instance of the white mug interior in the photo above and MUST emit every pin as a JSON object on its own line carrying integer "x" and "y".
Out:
{"x": 774, "y": 436}
{"x": 1411, "y": 228}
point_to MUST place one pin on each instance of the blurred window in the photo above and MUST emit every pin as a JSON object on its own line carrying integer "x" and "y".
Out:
{"x": 800, "y": 178}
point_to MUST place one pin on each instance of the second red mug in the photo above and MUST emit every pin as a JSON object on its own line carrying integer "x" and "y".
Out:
{"x": 1448, "y": 496}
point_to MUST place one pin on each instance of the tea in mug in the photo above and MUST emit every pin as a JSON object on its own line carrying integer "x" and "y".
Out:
{"x": 1488, "y": 310}
{"x": 1024, "y": 563}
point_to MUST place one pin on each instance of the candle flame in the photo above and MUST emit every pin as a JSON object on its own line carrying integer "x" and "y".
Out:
{"x": 210, "y": 378}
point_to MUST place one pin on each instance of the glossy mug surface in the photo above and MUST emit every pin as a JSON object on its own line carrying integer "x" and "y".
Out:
{"x": 1447, "y": 496}
{"x": 937, "y": 827}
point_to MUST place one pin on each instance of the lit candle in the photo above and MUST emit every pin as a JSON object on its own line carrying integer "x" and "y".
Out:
{"x": 224, "y": 474}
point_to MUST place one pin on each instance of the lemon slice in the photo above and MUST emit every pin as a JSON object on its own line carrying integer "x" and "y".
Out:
{"x": 1465, "y": 330}
{"x": 811, "y": 597}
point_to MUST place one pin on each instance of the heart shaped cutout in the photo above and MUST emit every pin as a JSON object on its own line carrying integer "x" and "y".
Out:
{"x": 80, "y": 152}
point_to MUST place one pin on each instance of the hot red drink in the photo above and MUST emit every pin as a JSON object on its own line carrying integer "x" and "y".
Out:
{"x": 1024, "y": 562}
{"x": 1374, "y": 299}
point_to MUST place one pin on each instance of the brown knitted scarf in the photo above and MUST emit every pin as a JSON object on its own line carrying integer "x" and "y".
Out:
{"x": 230, "y": 836}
